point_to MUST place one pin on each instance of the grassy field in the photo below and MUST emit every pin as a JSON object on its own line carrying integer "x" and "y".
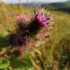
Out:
{"x": 49, "y": 56}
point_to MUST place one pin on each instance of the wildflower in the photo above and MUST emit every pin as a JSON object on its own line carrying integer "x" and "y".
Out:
{"x": 16, "y": 39}
{"x": 42, "y": 19}
{"x": 19, "y": 18}
{"x": 12, "y": 38}
{"x": 21, "y": 40}
{"x": 23, "y": 18}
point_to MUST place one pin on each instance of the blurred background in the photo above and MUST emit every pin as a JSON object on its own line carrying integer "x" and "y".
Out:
{"x": 60, "y": 5}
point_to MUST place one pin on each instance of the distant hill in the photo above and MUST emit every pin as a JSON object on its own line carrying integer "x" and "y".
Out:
{"x": 58, "y": 6}
{"x": 65, "y": 6}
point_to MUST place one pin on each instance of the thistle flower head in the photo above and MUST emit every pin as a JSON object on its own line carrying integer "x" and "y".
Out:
{"x": 21, "y": 40}
{"x": 16, "y": 39}
{"x": 42, "y": 19}
{"x": 23, "y": 18}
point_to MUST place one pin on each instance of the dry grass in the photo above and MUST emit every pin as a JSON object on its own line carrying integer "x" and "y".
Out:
{"x": 42, "y": 58}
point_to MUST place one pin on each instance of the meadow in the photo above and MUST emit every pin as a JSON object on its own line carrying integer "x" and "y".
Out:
{"x": 53, "y": 55}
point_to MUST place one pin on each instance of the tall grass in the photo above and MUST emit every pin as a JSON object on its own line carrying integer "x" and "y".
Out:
{"x": 48, "y": 56}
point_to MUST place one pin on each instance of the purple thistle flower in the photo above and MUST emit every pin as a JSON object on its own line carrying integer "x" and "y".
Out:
{"x": 42, "y": 19}
{"x": 16, "y": 39}
{"x": 12, "y": 38}
{"x": 21, "y": 40}
{"x": 23, "y": 18}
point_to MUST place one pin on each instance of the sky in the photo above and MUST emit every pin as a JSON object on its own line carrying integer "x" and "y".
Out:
{"x": 48, "y": 1}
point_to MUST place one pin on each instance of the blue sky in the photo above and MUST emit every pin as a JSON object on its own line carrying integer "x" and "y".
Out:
{"x": 16, "y": 1}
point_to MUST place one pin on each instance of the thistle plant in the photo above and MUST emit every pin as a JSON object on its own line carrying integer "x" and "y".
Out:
{"x": 28, "y": 28}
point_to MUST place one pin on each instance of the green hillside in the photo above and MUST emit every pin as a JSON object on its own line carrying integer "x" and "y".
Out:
{"x": 64, "y": 6}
